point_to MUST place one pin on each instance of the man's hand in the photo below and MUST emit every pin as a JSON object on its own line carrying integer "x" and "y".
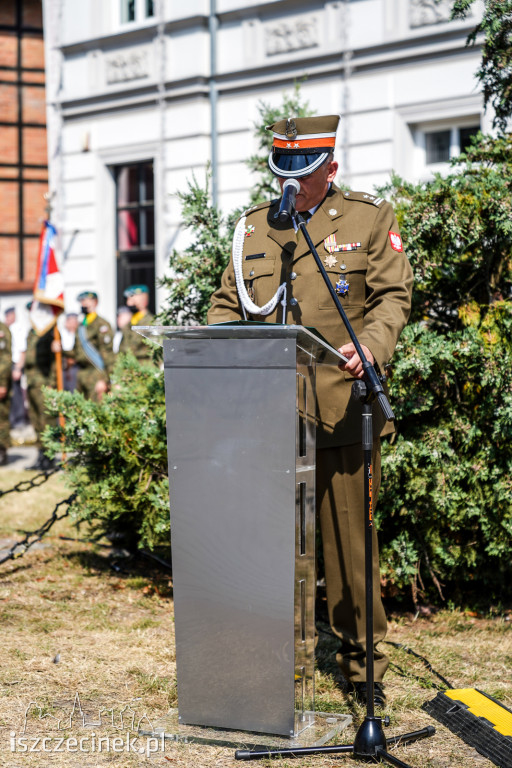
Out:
{"x": 100, "y": 388}
{"x": 3, "y": 392}
{"x": 354, "y": 365}
{"x": 16, "y": 373}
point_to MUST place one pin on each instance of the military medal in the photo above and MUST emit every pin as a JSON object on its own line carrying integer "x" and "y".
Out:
{"x": 330, "y": 244}
{"x": 249, "y": 230}
{"x": 341, "y": 287}
{"x": 330, "y": 261}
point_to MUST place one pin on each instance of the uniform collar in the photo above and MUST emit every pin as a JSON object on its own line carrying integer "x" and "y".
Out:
{"x": 324, "y": 222}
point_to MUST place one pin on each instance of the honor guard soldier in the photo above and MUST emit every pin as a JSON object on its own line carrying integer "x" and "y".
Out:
{"x": 93, "y": 351}
{"x": 5, "y": 388}
{"x": 40, "y": 371}
{"x": 273, "y": 277}
{"x": 137, "y": 300}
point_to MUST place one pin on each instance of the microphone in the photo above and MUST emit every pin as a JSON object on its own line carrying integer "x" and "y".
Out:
{"x": 287, "y": 206}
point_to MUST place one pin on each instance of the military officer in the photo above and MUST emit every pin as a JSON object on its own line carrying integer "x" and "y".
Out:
{"x": 5, "y": 388}
{"x": 40, "y": 371}
{"x": 137, "y": 300}
{"x": 93, "y": 352}
{"x": 273, "y": 277}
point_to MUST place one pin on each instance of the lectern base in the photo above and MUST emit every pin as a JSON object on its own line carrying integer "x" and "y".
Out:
{"x": 323, "y": 727}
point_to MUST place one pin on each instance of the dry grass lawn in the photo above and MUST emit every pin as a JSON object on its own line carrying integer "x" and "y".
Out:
{"x": 71, "y": 624}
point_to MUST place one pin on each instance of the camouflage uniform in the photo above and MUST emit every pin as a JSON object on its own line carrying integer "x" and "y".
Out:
{"x": 5, "y": 381}
{"x": 135, "y": 343}
{"x": 40, "y": 371}
{"x": 99, "y": 335}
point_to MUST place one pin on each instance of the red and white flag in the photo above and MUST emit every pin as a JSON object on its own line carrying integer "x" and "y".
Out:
{"x": 48, "y": 300}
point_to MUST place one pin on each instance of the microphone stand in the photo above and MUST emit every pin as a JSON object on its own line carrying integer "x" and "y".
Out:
{"x": 370, "y": 742}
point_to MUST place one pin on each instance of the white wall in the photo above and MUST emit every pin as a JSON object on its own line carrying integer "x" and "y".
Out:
{"x": 141, "y": 91}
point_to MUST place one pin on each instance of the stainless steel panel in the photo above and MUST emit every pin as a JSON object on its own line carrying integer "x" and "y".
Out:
{"x": 231, "y": 443}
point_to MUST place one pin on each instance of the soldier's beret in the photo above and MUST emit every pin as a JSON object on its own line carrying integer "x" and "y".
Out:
{"x": 133, "y": 290}
{"x": 87, "y": 295}
{"x": 301, "y": 144}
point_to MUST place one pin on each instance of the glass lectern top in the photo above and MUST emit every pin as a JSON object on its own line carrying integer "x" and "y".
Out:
{"x": 307, "y": 339}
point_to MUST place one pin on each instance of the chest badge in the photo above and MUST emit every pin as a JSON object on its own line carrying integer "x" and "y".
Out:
{"x": 249, "y": 230}
{"x": 341, "y": 287}
{"x": 330, "y": 261}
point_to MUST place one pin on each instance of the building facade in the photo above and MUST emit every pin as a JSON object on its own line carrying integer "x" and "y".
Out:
{"x": 144, "y": 93}
{"x": 23, "y": 152}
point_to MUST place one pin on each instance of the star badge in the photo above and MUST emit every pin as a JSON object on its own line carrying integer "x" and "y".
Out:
{"x": 330, "y": 261}
{"x": 341, "y": 287}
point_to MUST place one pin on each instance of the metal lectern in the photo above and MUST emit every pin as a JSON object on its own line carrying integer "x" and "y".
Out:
{"x": 240, "y": 402}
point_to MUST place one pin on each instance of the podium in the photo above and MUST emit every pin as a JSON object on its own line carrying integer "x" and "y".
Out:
{"x": 240, "y": 407}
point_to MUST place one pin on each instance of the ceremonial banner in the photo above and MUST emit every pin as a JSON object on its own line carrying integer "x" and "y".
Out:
{"x": 48, "y": 300}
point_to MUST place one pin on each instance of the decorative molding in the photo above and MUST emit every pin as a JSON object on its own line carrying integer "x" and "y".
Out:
{"x": 127, "y": 66}
{"x": 425, "y": 12}
{"x": 291, "y": 36}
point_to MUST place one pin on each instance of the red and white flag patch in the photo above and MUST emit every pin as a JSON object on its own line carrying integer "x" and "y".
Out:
{"x": 396, "y": 242}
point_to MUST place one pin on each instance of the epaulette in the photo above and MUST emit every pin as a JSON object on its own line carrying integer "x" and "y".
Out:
{"x": 364, "y": 197}
{"x": 259, "y": 207}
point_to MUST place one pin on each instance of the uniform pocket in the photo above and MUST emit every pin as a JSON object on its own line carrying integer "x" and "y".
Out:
{"x": 252, "y": 270}
{"x": 356, "y": 264}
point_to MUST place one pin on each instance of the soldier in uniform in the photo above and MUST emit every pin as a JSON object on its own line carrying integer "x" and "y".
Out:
{"x": 5, "y": 388}
{"x": 40, "y": 371}
{"x": 93, "y": 351}
{"x": 137, "y": 300}
{"x": 358, "y": 238}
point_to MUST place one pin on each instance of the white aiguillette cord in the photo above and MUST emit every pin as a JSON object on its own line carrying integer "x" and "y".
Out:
{"x": 248, "y": 305}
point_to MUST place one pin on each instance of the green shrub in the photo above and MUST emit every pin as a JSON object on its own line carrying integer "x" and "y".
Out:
{"x": 445, "y": 513}
{"x": 117, "y": 455}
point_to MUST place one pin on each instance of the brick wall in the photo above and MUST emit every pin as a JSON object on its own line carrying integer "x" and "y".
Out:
{"x": 21, "y": 146}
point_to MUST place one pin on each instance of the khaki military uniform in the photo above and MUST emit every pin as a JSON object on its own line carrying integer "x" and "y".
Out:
{"x": 377, "y": 304}
{"x": 40, "y": 371}
{"x": 99, "y": 335}
{"x": 135, "y": 343}
{"x": 5, "y": 381}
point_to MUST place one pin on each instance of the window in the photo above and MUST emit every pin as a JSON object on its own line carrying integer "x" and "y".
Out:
{"x": 135, "y": 216}
{"x": 437, "y": 146}
{"x": 136, "y": 10}
{"x": 441, "y": 146}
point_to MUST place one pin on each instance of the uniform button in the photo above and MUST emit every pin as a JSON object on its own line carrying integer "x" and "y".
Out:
{"x": 293, "y": 302}
{"x": 251, "y": 273}
{"x": 293, "y": 276}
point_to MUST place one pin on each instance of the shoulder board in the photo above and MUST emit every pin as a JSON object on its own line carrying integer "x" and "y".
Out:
{"x": 364, "y": 197}
{"x": 259, "y": 207}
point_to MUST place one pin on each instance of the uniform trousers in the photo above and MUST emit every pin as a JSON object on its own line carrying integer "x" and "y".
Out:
{"x": 36, "y": 409}
{"x": 340, "y": 505}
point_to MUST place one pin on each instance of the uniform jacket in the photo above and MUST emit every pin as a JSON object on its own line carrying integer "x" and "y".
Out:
{"x": 99, "y": 335}
{"x": 134, "y": 342}
{"x": 5, "y": 355}
{"x": 39, "y": 359}
{"x": 377, "y": 303}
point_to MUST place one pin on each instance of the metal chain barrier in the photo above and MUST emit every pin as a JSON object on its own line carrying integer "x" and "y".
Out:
{"x": 34, "y": 482}
{"x": 19, "y": 549}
